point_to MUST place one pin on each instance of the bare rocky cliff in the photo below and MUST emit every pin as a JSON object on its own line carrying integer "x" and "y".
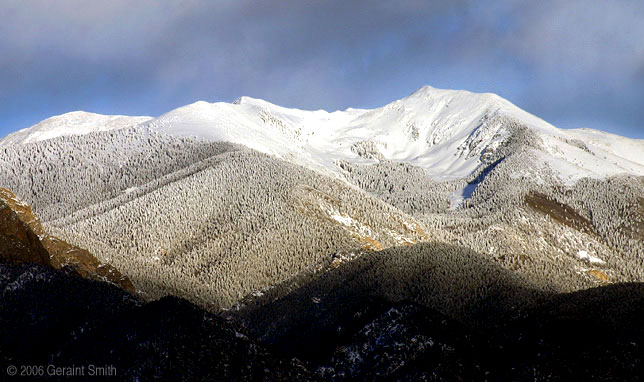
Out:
{"x": 23, "y": 240}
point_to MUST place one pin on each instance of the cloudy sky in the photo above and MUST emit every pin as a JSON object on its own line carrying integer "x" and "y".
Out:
{"x": 573, "y": 63}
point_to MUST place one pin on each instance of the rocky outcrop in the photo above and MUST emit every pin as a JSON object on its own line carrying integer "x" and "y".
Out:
{"x": 19, "y": 232}
{"x": 24, "y": 240}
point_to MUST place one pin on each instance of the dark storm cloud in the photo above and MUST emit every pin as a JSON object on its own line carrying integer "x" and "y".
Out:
{"x": 574, "y": 63}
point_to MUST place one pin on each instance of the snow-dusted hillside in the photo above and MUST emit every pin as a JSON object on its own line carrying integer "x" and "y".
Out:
{"x": 74, "y": 123}
{"x": 215, "y": 221}
{"x": 446, "y": 132}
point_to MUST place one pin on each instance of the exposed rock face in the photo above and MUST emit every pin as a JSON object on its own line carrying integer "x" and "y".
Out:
{"x": 23, "y": 240}
{"x": 19, "y": 232}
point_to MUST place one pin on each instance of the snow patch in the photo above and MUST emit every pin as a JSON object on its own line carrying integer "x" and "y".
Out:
{"x": 584, "y": 255}
{"x": 458, "y": 197}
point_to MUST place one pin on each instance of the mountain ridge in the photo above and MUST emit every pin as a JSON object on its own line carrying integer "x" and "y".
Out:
{"x": 449, "y": 133}
{"x": 72, "y": 123}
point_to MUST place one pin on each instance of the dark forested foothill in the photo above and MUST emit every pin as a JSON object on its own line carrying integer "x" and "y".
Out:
{"x": 56, "y": 317}
{"x": 50, "y": 317}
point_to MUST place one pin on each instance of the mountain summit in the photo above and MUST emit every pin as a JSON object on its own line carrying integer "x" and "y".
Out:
{"x": 446, "y": 132}
{"x": 449, "y": 133}
{"x": 73, "y": 123}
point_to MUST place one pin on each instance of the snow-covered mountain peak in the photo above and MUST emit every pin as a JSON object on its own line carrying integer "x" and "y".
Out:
{"x": 251, "y": 101}
{"x": 73, "y": 123}
{"x": 449, "y": 133}
{"x": 429, "y": 93}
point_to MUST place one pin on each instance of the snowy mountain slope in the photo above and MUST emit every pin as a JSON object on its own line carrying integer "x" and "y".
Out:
{"x": 446, "y": 132}
{"x": 74, "y": 123}
{"x": 431, "y": 129}
{"x": 285, "y": 133}
{"x": 449, "y": 133}
{"x": 592, "y": 153}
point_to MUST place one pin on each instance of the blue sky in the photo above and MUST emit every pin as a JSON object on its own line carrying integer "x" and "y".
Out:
{"x": 573, "y": 63}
